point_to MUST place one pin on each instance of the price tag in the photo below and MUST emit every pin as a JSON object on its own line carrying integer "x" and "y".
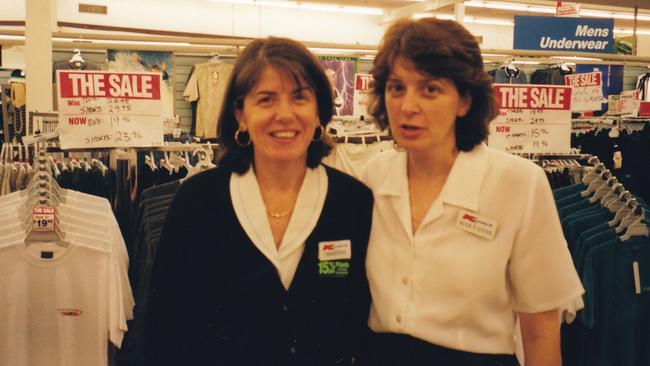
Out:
{"x": 43, "y": 219}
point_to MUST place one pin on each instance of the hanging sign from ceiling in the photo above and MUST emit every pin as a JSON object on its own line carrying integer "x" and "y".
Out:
{"x": 564, "y": 34}
{"x": 567, "y": 9}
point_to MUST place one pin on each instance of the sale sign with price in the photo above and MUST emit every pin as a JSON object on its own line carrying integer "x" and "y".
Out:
{"x": 109, "y": 109}
{"x": 587, "y": 94}
{"x": 532, "y": 119}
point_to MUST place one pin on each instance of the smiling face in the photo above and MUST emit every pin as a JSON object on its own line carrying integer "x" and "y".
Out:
{"x": 280, "y": 117}
{"x": 422, "y": 110}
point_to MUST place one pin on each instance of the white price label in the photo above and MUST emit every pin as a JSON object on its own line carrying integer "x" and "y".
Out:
{"x": 43, "y": 219}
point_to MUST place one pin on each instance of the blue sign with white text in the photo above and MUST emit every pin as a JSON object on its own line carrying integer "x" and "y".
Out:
{"x": 547, "y": 33}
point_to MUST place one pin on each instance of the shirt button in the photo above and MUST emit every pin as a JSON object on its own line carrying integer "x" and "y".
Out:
{"x": 292, "y": 350}
{"x": 399, "y": 318}
{"x": 405, "y": 280}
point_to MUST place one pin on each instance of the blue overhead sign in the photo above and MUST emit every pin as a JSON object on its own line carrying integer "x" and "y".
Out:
{"x": 564, "y": 34}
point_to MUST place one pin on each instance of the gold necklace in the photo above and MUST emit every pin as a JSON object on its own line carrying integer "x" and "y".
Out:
{"x": 278, "y": 215}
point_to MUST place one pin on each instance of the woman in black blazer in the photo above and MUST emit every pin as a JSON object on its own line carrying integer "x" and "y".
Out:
{"x": 262, "y": 259}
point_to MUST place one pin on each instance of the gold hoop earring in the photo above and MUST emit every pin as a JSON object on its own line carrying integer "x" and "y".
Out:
{"x": 238, "y": 142}
{"x": 321, "y": 135}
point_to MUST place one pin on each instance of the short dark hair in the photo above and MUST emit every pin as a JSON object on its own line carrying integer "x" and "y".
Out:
{"x": 440, "y": 48}
{"x": 286, "y": 56}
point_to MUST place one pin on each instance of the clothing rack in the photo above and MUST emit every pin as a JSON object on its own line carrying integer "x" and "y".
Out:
{"x": 364, "y": 139}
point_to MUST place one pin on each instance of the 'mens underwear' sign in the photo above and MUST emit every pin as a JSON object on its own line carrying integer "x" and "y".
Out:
{"x": 564, "y": 34}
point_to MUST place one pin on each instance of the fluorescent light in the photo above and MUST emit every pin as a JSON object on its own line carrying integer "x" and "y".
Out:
{"x": 423, "y": 15}
{"x": 307, "y": 6}
{"x": 467, "y": 19}
{"x": 113, "y": 41}
{"x": 525, "y": 62}
{"x": 446, "y": 16}
{"x": 475, "y": 4}
{"x": 491, "y": 21}
{"x": 12, "y": 37}
{"x": 506, "y": 6}
{"x": 340, "y": 50}
{"x": 577, "y": 58}
{"x": 541, "y": 9}
{"x": 644, "y": 32}
{"x": 509, "y": 6}
{"x": 595, "y": 13}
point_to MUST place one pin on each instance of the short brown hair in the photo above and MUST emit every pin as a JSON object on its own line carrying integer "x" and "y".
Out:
{"x": 286, "y": 56}
{"x": 445, "y": 49}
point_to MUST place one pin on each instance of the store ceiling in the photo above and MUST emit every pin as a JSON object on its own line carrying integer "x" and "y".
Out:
{"x": 612, "y": 5}
{"x": 392, "y": 4}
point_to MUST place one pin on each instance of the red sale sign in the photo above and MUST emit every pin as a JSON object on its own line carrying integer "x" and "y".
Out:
{"x": 532, "y": 119}
{"x": 587, "y": 91}
{"x": 109, "y": 109}
{"x": 109, "y": 85}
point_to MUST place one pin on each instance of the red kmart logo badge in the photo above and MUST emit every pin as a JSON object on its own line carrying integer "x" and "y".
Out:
{"x": 70, "y": 312}
{"x": 469, "y": 218}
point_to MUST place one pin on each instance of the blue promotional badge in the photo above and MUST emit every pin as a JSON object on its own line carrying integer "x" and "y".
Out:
{"x": 546, "y": 33}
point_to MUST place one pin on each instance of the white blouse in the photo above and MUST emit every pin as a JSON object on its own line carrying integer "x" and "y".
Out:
{"x": 490, "y": 245}
{"x": 251, "y": 213}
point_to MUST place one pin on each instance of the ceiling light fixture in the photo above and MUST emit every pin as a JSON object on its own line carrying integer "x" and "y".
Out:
{"x": 644, "y": 32}
{"x": 115, "y": 41}
{"x": 307, "y": 6}
{"x": 467, "y": 19}
{"x": 12, "y": 37}
{"x": 322, "y": 50}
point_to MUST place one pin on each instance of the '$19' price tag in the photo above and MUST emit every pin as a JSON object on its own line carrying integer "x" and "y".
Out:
{"x": 43, "y": 219}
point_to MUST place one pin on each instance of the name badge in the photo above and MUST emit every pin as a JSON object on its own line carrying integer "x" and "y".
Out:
{"x": 334, "y": 250}
{"x": 477, "y": 225}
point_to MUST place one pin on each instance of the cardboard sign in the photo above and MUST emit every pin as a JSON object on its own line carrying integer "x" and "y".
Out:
{"x": 567, "y": 9}
{"x": 627, "y": 104}
{"x": 532, "y": 119}
{"x": 109, "y": 109}
{"x": 363, "y": 85}
{"x": 587, "y": 94}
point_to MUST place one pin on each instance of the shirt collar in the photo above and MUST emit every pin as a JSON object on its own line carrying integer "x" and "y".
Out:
{"x": 463, "y": 184}
{"x": 251, "y": 212}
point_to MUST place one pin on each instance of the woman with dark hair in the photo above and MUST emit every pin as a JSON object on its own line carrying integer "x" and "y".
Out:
{"x": 262, "y": 260}
{"x": 465, "y": 239}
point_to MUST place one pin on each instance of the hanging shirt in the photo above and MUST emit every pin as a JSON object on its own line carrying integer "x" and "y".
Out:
{"x": 59, "y": 305}
{"x": 208, "y": 84}
{"x": 460, "y": 279}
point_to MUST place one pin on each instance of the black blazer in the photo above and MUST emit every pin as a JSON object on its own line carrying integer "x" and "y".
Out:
{"x": 217, "y": 300}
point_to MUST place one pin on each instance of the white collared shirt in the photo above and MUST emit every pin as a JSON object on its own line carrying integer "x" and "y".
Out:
{"x": 251, "y": 213}
{"x": 454, "y": 288}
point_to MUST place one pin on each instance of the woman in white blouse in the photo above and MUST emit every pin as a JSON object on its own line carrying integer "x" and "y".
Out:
{"x": 465, "y": 239}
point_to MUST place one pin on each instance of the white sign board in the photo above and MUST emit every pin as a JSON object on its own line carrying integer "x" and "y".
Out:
{"x": 532, "y": 119}
{"x": 109, "y": 109}
{"x": 587, "y": 92}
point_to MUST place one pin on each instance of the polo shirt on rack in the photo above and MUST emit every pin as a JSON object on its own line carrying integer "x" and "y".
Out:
{"x": 452, "y": 288}
{"x": 616, "y": 310}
